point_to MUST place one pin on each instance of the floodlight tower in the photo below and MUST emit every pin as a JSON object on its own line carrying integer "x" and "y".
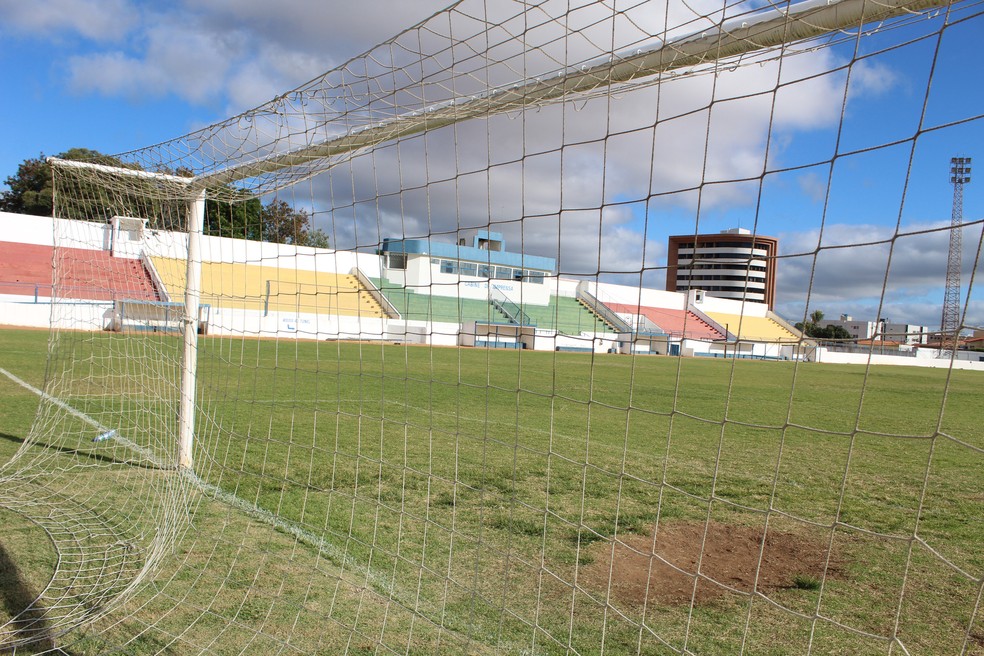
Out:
{"x": 950, "y": 325}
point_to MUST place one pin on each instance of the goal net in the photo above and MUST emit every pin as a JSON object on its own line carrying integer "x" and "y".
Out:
{"x": 507, "y": 336}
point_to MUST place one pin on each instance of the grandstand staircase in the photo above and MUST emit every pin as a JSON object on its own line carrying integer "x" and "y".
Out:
{"x": 498, "y": 315}
{"x": 368, "y": 304}
{"x": 707, "y": 323}
{"x": 512, "y": 311}
{"x": 602, "y": 321}
{"x": 370, "y": 287}
{"x": 610, "y": 319}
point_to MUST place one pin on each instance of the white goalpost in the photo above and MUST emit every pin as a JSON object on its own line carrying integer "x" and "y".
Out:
{"x": 468, "y": 414}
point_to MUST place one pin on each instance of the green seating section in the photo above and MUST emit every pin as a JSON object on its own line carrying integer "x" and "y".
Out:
{"x": 567, "y": 316}
{"x": 564, "y": 314}
{"x": 427, "y": 307}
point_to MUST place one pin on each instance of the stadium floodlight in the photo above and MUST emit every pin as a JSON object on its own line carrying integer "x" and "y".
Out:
{"x": 951, "y": 319}
{"x": 960, "y": 170}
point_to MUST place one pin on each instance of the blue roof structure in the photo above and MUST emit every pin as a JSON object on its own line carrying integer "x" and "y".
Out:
{"x": 486, "y": 248}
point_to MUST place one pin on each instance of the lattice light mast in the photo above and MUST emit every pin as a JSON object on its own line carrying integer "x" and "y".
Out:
{"x": 950, "y": 325}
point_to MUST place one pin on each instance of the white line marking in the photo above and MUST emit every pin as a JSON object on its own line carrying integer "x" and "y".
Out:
{"x": 143, "y": 451}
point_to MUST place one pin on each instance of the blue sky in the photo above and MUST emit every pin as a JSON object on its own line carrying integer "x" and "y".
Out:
{"x": 114, "y": 75}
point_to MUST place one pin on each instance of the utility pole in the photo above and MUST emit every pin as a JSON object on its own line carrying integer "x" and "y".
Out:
{"x": 950, "y": 324}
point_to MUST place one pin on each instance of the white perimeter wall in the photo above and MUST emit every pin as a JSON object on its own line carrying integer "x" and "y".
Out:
{"x": 160, "y": 243}
{"x": 924, "y": 358}
{"x": 658, "y": 298}
{"x": 23, "y": 312}
{"x": 609, "y": 293}
{"x": 40, "y": 231}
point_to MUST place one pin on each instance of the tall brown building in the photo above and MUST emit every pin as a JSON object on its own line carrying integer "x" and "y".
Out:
{"x": 731, "y": 264}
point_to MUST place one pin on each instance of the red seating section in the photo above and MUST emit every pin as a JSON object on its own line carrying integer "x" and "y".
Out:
{"x": 678, "y": 323}
{"x": 26, "y": 269}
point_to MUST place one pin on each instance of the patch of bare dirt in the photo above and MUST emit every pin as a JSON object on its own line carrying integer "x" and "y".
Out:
{"x": 731, "y": 557}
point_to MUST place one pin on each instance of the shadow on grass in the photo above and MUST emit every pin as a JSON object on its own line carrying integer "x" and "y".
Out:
{"x": 29, "y": 624}
{"x": 85, "y": 454}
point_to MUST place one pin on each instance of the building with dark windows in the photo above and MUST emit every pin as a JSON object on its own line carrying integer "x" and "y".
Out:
{"x": 732, "y": 264}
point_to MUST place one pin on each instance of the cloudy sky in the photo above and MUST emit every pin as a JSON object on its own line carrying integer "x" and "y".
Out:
{"x": 599, "y": 184}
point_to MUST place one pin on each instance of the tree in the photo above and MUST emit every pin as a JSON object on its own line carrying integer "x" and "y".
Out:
{"x": 242, "y": 216}
{"x": 812, "y": 328}
{"x": 31, "y": 190}
{"x": 239, "y": 218}
{"x": 317, "y": 238}
{"x": 283, "y": 224}
{"x": 832, "y": 332}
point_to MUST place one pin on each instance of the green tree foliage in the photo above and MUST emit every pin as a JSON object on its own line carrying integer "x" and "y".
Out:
{"x": 832, "y": 332}
{"x": 813, "y": 329}
{"x": 245, "y": 217}
{"x": 317, "y": 238}
{"x": 240, "y": 218}
{"x": 284, "y": 224}
{"x": 31, "y": 190}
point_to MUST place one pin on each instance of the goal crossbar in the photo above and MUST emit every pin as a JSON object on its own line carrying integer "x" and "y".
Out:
{"x": 743, "y": 35}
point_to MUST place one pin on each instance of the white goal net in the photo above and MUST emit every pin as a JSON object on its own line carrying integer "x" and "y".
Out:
{"x": 507, "y": 336}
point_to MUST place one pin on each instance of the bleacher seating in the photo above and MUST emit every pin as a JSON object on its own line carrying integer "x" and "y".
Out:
{"x": 418, "y": 306}
{"x": 564, "y": 314}
{"x": 83, "y": 274}
{"x": 675, "y": 323}
{"x": 271, "y": 289}
{"x": 567, "y": 316}
{"x": 95, "y": 275}
{"x": 754, "y": 329}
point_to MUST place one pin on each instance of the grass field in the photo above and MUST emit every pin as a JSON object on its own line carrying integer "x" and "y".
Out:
{"x": 459, "y": 500}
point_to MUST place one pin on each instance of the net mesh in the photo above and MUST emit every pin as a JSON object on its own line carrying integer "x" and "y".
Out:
{"x": 445, "y": 431}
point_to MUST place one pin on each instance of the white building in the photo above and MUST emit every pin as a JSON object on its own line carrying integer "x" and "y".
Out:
{"x": 883, "y": 330}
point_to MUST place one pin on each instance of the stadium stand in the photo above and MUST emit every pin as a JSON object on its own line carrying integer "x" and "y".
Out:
{"x": 420, "y": 306}
{"x": 155, "y": 284}
{"x": 564, "y": 314}
{"x": 271, "y": 289}
{"x": 95, "y": 275}
{"x": 754, "y": 329}
{"x": 675, "y": 323}
{"x": 567, "y": 316}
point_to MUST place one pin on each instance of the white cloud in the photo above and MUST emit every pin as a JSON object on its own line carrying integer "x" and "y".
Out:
{"x": 98, "y": 20}
{"x": 186, "y": 63}
{"x": 814, "y": 186}
{"x": 872, "y": 78}
{"x": 236, "y": 54}
{"x": 857, "y": 279}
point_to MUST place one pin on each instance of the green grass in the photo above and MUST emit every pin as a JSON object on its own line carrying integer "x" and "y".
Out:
{"x": 23, "y": 354}
{"x": 806, "y": 582}
{"x": 462, "y": 491}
